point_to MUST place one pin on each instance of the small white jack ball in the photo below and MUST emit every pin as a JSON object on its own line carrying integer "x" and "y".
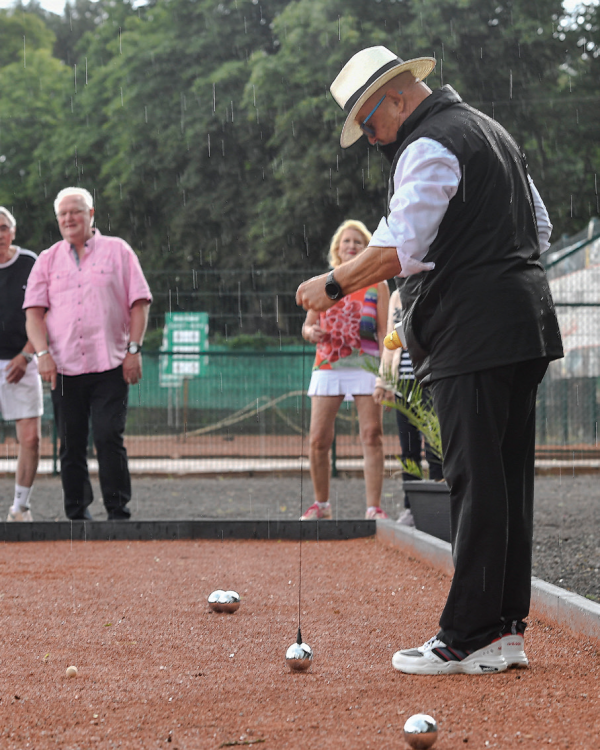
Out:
{"x": 71, "y": 671}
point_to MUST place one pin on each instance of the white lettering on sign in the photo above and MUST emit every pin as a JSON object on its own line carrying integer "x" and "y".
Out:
{"x": 186, "y": 337}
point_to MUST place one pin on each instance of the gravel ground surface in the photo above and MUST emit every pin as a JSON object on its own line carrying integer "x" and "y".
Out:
{"x": 567, "y": 514}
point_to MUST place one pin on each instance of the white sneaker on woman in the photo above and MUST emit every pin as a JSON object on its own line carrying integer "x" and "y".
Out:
{"x": 406, "y": 518}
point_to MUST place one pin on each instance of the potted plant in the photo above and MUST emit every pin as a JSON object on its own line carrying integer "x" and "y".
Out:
{"x": 429, "y": 500}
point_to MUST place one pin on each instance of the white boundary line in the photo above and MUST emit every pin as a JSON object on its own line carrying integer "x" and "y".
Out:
{"x": 223, "y": 465}
{"x": 564, "y": 608}
{"x": 239, "y": 465}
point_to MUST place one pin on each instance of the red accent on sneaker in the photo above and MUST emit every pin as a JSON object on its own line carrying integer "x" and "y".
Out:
{"x": 375, "y": 513}
{"x": 317, "y": 513}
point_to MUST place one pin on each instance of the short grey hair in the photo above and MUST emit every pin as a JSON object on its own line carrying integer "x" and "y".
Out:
{"x": 81, "y": 192}
{"x": 11, "y": 219}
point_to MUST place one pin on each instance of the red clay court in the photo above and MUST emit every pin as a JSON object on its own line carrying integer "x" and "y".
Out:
{"x": 158, "y": 669}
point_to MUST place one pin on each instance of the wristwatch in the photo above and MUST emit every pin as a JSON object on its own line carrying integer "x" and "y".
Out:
{"x": 332, "y": 289}
{"x": 28, "y": 356}
{"x": 133, "y": 347}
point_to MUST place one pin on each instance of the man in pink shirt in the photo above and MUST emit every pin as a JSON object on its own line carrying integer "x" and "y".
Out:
{"x": 87, "y": 307}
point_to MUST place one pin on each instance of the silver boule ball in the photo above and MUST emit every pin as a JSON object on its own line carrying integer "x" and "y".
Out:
{"x": 299, "y": 657}
{"x": 420, "y": 731}
{"x": 229, "y": 601}
{"x": 213, "y": 600}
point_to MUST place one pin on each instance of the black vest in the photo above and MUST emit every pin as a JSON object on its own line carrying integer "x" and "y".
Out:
{"x": 487, "y": 303}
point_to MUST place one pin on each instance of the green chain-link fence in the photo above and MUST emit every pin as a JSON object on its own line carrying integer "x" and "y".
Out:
{"x": 251, "y": 403}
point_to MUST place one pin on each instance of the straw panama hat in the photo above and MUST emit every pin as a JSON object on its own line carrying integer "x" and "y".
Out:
{"x": 362, "y": 75}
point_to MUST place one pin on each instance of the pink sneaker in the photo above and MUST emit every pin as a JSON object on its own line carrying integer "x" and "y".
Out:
{"x": 375, "y": 513}
{"x": 317, "y": 513}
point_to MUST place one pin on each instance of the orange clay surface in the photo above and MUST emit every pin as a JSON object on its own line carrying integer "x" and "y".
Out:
{"x": 157, "y": 669}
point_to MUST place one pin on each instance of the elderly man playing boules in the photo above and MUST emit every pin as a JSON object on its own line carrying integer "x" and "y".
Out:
{"x": 87, "y": 307}
{"x": 464, "y": 230}
{"x": 20, "y": 385}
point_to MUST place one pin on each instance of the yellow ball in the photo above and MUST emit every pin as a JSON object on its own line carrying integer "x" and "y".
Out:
{"x": 71, "y": 671}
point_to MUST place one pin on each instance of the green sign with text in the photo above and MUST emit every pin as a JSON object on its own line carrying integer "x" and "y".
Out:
{"x": 185, "y": 336}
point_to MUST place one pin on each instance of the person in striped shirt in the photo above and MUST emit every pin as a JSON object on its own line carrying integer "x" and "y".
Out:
{"x": 395, "y": 369}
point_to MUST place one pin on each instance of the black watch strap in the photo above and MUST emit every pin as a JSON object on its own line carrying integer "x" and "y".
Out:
{"x": 332, "y": 289}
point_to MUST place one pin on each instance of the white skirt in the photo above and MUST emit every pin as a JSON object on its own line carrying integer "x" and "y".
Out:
{"x": 348, "y": 383}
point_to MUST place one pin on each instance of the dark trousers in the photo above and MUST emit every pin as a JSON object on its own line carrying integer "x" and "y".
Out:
{"x": 487, "y": 422}
{"x": 411, "y": 445}
{"x": 103, "y": 396}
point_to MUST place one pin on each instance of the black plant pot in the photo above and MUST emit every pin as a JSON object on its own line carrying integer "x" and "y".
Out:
{"x": 430, "y": 505}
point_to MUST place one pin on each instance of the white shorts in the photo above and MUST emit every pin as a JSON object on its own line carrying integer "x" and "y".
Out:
{"x": 348, "y": 383}
{"x": 24, "y": 399}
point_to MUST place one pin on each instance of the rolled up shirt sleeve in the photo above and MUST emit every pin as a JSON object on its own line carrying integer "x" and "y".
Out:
{"x": 426, "y": 179}
{"x": 137, "y": 285}
{"x": 36, "y": 292}
{"x": 543, "y": 219}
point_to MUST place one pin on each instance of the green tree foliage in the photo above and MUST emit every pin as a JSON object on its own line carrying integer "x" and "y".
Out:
{"x": 33, "y": 84}
{"x": 86, "y": 17}
{"x": 20, "y": 34}
{"x": 314, "y": 184}
{"x": 507, "y": 59}
{"x": 79, "y": 17}
{"x": 575, "y": 148}
{"x": 168, "y": 142}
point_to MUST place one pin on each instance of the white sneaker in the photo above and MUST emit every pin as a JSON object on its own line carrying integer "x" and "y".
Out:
{"x": 513, "y": 650}
{"x": 21, "y": 515}
{"x": 406, "y": 518}
{"x": 434, "y": 657}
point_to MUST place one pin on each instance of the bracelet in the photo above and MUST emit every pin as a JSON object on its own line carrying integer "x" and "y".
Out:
{"x": 41, "y": 354}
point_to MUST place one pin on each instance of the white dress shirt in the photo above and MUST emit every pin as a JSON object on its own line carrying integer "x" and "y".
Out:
{"x": 426, "y": 179}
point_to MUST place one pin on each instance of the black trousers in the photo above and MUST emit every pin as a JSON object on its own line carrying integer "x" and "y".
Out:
{"x": 103, "y": 396}
{"x": 411, "y": 445}
{"x": 487, "y": 422}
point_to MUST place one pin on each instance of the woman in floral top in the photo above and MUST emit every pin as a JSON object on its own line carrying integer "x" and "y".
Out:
{"x": 346, "y": 336}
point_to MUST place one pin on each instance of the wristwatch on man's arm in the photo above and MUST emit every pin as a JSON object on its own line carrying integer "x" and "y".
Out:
{"x": 332, "y": 289}
{"x": 133, "y": 347}
{"x": 27, "y": 355}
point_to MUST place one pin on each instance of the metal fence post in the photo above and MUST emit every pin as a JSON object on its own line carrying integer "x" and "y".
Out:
{"x": 565, "y": 411}
{"x": 54, "y": 449}
{"x": 334, "y": 471}
{"x": 594, "y": 411}
{"x": 542, "y": 421}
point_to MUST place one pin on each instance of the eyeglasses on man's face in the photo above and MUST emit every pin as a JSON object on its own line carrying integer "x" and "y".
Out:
{"x": 367, "y": 129}
{"x": 72, "y": 212}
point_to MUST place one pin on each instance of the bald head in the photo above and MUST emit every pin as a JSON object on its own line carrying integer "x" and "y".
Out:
{"x": 412, "y": 88}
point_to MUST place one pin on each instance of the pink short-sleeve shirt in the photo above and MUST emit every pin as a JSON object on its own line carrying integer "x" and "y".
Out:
{"x": 89, "y": 305}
